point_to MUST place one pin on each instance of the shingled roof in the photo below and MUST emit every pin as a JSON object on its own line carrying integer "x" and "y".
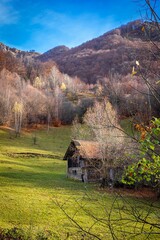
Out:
{"x": 87, "y": 149}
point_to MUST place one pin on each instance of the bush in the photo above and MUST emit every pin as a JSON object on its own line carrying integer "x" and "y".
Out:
{"x": 147, "y": 169}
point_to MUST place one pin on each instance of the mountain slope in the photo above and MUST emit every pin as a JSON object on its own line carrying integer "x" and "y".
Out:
{"x": 18, "y": 53}
{"x": 113, "y": 52}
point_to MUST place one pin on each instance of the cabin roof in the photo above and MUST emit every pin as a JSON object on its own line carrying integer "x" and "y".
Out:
{"x": 87, "y": 149}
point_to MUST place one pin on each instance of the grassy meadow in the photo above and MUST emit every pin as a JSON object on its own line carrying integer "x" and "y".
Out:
{"x": 34, "y": 191}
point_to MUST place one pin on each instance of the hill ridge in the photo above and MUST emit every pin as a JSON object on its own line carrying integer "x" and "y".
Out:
{"x": 113, "y": 52}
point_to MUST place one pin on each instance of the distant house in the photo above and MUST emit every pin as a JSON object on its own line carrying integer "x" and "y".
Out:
{"x": 84, "y": 162}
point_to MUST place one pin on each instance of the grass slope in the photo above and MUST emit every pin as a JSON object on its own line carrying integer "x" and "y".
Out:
{"x": 33, "y": 184}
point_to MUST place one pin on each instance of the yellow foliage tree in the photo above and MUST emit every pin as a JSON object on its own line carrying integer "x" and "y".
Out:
{"x": 63, "y": 86}
{"x": 18, "y": 111}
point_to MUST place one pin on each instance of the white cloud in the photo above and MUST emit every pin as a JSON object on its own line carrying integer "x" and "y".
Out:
{"x": 8, "y": 15}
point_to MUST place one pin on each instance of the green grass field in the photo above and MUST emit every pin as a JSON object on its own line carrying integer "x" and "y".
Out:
{"x": 33, "y": 184}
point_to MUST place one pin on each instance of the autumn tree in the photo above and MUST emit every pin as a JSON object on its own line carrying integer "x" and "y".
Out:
{"x": 103, "y": 121}
{"x": 54, "y": 78}
{"x": 5, "y": 96}
{"x": 146, "y": 169}
{"x": 10, "y": 92}
{"x": 11, "y": 63}
{"x": 35, "y": 105}
{"x": 18, "y": 112}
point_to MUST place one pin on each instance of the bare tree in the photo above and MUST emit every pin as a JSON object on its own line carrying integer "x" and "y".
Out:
{"x": 103, "y": 121}
{"x": 81, "y": 131}
{"x": 35, "y": 105}
{"x": 122, "y": 218}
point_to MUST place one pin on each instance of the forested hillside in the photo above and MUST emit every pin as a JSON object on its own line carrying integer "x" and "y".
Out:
{"x": 106, "y": 67}
{"x": 34, "y": 93}
{"x": 115, "y": 52}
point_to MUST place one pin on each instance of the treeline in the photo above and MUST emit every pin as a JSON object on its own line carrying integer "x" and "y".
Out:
{"x": 42, "y": 95}
{"x": 32, "y": 92}
{"x": 130, "y": 96}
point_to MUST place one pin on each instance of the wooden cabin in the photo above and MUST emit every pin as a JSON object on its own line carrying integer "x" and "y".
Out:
{"x": 82, "y": 160}
{"x": 84, "y": 163}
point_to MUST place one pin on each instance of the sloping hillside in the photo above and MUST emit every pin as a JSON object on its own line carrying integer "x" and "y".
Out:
{"x": 18, "y": 53}
{"x": 113, "y": 52}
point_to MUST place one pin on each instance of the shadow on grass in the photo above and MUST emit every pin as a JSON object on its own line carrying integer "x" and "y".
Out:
{"x": 46, "y": 180}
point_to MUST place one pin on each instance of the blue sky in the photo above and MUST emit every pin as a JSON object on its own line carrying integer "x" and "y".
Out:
{"x": 44, "y": 24}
